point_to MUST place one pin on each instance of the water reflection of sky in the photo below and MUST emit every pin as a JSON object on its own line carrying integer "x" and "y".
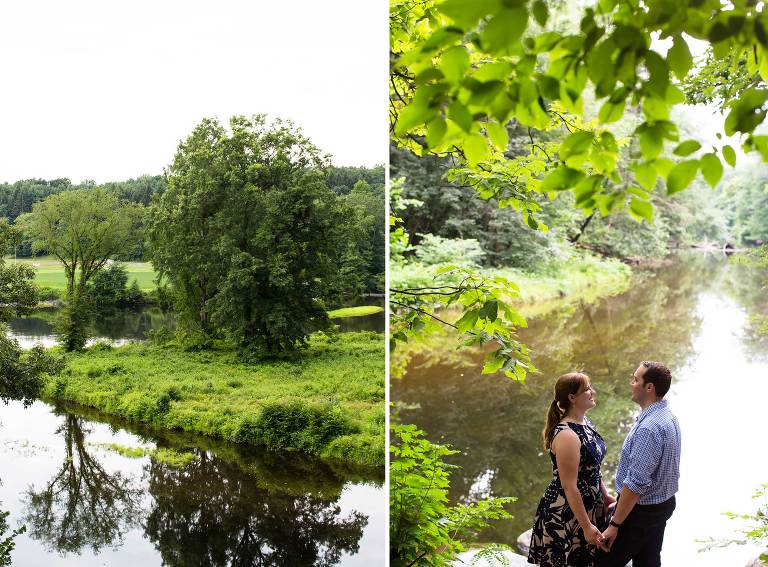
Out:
{"x": 124, "y": 325}
{"x": 690, "y": 314}
{"x": 230, "y": 506}
{"x": 719, "y": 399}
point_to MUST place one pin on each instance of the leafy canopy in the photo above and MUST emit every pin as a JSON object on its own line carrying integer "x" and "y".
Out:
{"x": 463, "y": 70}
{"x": 248, "y": 233}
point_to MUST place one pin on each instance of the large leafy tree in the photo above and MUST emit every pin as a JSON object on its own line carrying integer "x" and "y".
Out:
{"x": 84, "y": 229}
{"x": 248, "y": 232}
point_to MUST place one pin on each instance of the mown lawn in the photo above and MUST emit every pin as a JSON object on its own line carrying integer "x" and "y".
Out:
{"x": 329, "y": 403}
{"x": 359, "y": 311}
{"x": 49, "y": 273}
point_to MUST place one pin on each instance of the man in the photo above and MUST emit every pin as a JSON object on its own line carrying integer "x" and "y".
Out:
{"x": 647, "y": 476}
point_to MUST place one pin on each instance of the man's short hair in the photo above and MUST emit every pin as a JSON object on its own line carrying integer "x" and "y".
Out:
{"x": 658, "y": 375}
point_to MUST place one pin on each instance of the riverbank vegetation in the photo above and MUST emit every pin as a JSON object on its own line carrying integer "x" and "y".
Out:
{"x": 329, "y": 402}
{"x": 250, "y": 261}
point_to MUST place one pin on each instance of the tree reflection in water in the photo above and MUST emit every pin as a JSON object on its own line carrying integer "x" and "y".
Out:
{"x": 230, "y": 506}
{"x": 83, "y": 505}
{"x": 212, "y": 513}
{"x": 496, "y": 423}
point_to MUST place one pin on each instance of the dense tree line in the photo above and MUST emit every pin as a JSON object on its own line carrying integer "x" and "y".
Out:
{"x": 434, "y": 205}
{"x": 367, "y": 201}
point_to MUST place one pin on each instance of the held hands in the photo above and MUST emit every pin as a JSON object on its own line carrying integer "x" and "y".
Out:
{"x": 608, "y": 537}
{"x": 593, "y": 536}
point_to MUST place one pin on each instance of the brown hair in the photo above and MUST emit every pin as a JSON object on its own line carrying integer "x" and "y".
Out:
{"x": 566, "y": 385}
{"x": 658, "y": 375}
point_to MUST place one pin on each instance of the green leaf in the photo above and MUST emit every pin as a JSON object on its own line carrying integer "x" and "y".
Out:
{"x": 586, "y": 189}
{"x": 651, "y": 140}
{"x": 549, "y": 87}
{"x": 436, "y": 131}
{"x": 540, "y": 12}
{"x": 761, "y": 143}
{"x": 681, "y": 176}
{"x": 454, "y": 63}
{"x": 468, "y": 321}
{"x": 492, "y": 364}
{"x": 679, "y": 57}
{"x": 674, "y": 95}
{"x": 599, "y": 62}
{"x": 413, "y": 115}
{"x": 460, "y": 115}
{"x": 498, "y": 134}
{"x": 505, "y": 29}
{"x": 655, "y": 109}
{"x": 611, "y": 112}
{"x": 561, "y": 179}
{"x": 730, "y": 155}
{"x": 663, "y": 166}
{"x": 659, "y": 71}
{"x": 711, "y": 169}
{"x": 746, "y": 113}
{"x": 476, "y": 149}
{"x": 490, "y": 310}
{"x": 576, "y": 143}
{"x": 466, "y": 13}
{"x": 645, "y": 173}
{"x": 687, "y": 148}
{"x": 642, "y": 209}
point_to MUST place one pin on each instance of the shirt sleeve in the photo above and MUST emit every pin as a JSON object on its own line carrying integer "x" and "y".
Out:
{"x": 644, "y": 459}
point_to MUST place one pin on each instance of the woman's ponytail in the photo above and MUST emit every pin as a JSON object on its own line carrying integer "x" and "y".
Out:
{"x": 554, "y": 415}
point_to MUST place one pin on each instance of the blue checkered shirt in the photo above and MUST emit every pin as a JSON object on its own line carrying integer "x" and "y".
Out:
{"x": 650, "y": 458}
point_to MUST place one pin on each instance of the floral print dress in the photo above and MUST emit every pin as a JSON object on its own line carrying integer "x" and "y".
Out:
{"x": 558, "y": 540}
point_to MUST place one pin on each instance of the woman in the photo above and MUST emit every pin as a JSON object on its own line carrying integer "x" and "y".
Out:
{"x": 568, "y": 521}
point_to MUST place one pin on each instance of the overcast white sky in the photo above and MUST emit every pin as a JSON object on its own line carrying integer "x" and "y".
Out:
{"x": 105, "y": 90}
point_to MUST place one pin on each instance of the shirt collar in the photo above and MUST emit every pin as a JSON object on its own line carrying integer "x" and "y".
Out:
{"x": 655, "y": 406}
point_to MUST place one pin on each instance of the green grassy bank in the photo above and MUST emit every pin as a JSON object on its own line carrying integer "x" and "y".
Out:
{"x": 49, "y": 273}
{"x": 329, "y": 403}
{"x": 360, "y": 311}
{"x": 582, "y": 277}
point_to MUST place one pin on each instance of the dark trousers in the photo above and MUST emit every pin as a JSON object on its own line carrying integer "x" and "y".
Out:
{"x": 639, "y": 538}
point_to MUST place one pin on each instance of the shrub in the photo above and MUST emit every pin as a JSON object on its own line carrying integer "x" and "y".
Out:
{"x": 107, "y": 288}
{"x": 435, "y": 249}
{"x": 423, "y": 528}
{"x": 71, "y": 323}
{"x": 295, "y": 426}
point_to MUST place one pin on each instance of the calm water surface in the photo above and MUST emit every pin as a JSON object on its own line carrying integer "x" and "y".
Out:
{"x": 86, "y": 505}
{"x": 694, "y": 315}
{"x": 121, "y": 326}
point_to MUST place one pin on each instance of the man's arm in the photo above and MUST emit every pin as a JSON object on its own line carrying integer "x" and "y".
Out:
{"x": 643, "y": 461}
{"x": 627, "y": 501}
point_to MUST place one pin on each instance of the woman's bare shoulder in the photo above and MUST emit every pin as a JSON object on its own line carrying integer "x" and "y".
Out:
{"x": 564, "y": 436}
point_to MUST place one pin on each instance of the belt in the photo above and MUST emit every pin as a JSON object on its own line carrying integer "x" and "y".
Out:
{"x": 659, "y": 506}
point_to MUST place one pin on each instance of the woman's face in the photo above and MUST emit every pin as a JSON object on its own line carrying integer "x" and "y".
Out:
{"x": 585, "y": 399}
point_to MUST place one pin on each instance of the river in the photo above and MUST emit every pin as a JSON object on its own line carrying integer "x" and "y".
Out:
{"x": 694, "y": 315}
{"x": 122, "y": 325}
{"x": 85, "y": 504}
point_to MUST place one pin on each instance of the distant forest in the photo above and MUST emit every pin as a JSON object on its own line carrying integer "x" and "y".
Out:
{"x": 17, "y": 198}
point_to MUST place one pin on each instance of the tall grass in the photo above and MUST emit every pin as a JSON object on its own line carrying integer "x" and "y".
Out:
{"x": 330, "y": 402}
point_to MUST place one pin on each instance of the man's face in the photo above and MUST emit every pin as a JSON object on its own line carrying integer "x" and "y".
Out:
{"x": 639, "y": 389}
